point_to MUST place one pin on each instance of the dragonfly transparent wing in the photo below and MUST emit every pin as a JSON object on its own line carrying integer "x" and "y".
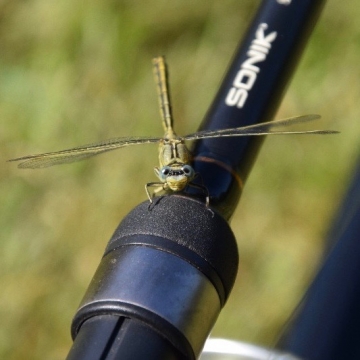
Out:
{"x": 261, "y": 129}
{"x": 81, "y": 152}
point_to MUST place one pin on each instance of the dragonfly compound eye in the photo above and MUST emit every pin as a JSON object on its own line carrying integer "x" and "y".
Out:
{"x": 164, "y": 172}
{"x": 188, "y": 171}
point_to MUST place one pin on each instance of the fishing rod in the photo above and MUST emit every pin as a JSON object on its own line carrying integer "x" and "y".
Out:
{"x": 168, "y": 270}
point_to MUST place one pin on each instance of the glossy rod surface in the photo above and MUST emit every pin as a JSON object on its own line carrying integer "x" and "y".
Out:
{"x": 251, "y": 93}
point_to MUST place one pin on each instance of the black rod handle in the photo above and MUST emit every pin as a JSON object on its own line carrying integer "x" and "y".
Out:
{"x": 165, "y": 275}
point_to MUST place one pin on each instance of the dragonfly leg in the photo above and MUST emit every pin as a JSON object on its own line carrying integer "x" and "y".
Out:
{"x": 159, "y": 185}
{"x": 204, "y": 190}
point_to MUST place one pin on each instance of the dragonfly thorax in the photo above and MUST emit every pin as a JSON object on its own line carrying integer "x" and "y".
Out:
{"x": 174, "y": 158}
{"x": 176, "y": 176}
{"x": 173, "y": 151}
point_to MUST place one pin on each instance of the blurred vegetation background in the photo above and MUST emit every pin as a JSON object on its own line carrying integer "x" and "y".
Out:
{"x": 74, "y": 72}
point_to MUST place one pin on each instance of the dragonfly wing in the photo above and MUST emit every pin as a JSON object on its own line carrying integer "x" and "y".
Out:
{"x": 288, "y": 121}
{"x": 261, "y": 129}
{"x": 81, "y": 152}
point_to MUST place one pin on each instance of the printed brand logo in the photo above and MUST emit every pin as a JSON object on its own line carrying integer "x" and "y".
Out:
{"x": 247, "y": 74}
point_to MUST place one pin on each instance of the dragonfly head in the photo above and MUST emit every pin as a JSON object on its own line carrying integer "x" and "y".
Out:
{"x": 176, "y": 176}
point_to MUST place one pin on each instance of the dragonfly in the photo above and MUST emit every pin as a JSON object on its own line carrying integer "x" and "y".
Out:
{"x": 174, "y": 172}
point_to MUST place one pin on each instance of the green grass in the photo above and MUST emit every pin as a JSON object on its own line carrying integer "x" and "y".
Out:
{"x": 73, "y": 72}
